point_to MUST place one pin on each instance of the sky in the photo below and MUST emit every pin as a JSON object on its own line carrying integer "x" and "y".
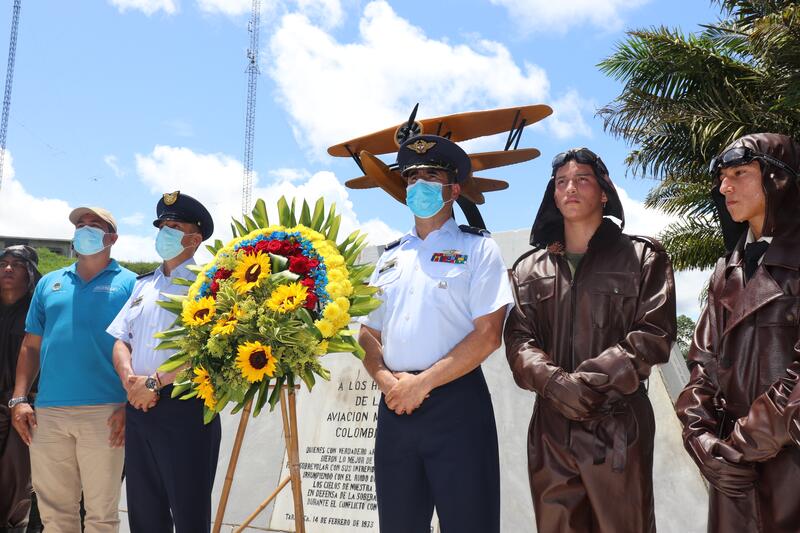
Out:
{"x": 115, "y": 102}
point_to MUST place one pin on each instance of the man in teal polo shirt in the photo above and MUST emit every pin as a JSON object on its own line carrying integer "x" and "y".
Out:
{"x": 77, "y": 432}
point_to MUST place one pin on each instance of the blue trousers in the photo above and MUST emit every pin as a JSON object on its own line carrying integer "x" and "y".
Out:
{"x": 170, "y": 463}
{"x": 443, "y": 455}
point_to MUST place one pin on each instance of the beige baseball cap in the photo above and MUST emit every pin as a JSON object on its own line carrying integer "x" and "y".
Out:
{"x": 105, "y": 214}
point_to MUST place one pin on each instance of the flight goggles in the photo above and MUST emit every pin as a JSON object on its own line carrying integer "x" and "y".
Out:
{"x": 583, "y": 156}
{"x": 742, "y": 155}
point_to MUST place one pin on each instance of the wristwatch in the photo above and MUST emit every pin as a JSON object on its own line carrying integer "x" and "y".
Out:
{"x": 152, "y": 384}
{"x": 18, "y": 400}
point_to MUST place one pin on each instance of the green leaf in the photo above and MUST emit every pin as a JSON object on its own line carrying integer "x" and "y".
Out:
{"x": 275, "y": 396}
{"x": 319, "y": 215}
{"x": 189, "y": 395}
{"x": 284, "y": 213}
{"x": 208, "y": 415}
{"x": 170, "y": 333}
{"x": 214, "y": 248}
{"x": 278, "y": 263}
{"x": 364, "y": 290}
{"x": 174, "y": 307}
{"x": 345, "y": 243}
{"x": 183, "y": 282}
{"x": 308, "y": 378}
{"x": 263, "y": 387}
{"x": 195, "y": 268}
{"x": 179, "y": 388}
{"x": 174, "y": 362}
{"x": 333, "y": 230}
{"x": 240, "y": 228}
{"x": 168, "y": 345}
{"x": 364, "y": 307}
{"x": 250, "y": 223}
{"x": 284, "y": 275}
{"x": 305, "y": 215}
{"x": 247, "y": 397}
{"x": 260, "y": 213}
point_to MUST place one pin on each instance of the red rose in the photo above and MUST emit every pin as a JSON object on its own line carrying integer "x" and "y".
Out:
{"x": 307, "y": 282}
{"x": 274, "y": 247}
{"x": 214, "y": 287}
{"x": 249, "y": 250}
{"x": 311, "y": 300}
{"x": 299, "y": 265}
{"x": 262, "y": 246}
{"x": 313, "y": 263}
{"x": 223, "y": 273}
{"x": 290, "y": 248}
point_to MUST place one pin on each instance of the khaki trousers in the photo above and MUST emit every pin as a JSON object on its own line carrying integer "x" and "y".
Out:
{"x": 70, "y": 453}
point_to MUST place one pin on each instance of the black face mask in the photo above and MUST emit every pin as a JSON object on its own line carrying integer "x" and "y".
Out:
{"x": 583, "y": 156}
{"x": 742, "y": 155}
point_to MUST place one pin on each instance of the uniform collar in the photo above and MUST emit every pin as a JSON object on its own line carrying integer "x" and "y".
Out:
{"x": 180, "y": 271}
{"x": 752, "y": 238}
{"x": 450, "y": 227}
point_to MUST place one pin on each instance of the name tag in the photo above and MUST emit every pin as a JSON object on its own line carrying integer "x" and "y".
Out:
{"x": 104, "y": 288}
{"x": 449, "y": 256}
{"x": 388, "y": 266}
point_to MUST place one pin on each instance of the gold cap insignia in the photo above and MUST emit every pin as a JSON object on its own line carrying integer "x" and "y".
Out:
{"x": 171, "y": 197}
{"x": 421, "y": 146}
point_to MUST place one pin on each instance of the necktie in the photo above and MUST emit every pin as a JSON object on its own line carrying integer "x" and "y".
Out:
{"x": 752, "y": 253}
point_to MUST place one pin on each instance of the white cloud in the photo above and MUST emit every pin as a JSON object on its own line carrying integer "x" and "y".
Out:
{"x": 327, "y": 12}
{"x": 113, "y": 164}
{"x": 231, "y": 8}
{"x": 179, "y": 127}
{"x": 215, "y": 180}
{"x": 532, "y": 16}
{"x": 135, "y": 248}
{"x": 567, "y": 119}
{"x": 148, "y": 7}
{"x": 334, "y": 91}
{"x": 136, "y": 219}
{"x": 690, "y": 285}
{"x": 24, "y": 215}
{"x": 289, "y": 174}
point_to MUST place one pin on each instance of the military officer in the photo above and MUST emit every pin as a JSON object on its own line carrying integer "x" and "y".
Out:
{"x": 445, "y": 293}
{"x": 166, "y": 481}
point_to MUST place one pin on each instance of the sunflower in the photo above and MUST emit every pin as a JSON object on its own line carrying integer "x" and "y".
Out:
{"x": 287, "y": 298}
{"x": 205, "y": 390}
{"x": 255, "y": 361}
{"x": 252, "y": 268}
{"x": 227, "y": 323}
{"x": 198, "y": 312}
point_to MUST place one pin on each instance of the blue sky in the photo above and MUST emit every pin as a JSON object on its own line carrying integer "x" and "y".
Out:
{"x": 117, "y": 101}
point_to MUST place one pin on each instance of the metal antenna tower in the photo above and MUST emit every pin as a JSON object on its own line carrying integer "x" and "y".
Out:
{"x": 12, "y": 54}
{"x": 250, "y": 120}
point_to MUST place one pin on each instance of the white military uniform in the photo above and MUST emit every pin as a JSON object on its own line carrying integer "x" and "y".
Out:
{"x": 142, "y": 317}
{"x": 432, "y": 291}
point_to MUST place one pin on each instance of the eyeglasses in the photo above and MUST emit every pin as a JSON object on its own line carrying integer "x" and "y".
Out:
{"x": 742, "y": 155}
{"x": 583, "y": 156}
{"x": 15, "y": 265}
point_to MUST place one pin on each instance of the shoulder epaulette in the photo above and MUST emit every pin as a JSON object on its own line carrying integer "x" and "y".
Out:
{"x": 654, "y": 243}
{"x": 475, "y": 231}
{"x": 393, "y": 244}
{"x": 142, "y": 276}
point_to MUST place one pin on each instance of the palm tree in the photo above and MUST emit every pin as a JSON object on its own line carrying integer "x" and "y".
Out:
{"x": 687, "y": 96}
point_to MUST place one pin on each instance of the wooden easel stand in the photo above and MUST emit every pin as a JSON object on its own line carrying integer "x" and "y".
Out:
{"x": 289, "y": 418}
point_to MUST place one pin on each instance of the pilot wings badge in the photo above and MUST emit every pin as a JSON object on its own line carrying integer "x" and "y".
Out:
{"x": 421, "y": 146}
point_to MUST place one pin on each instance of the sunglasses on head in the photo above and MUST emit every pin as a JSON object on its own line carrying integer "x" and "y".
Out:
{"x": 583, "y": 156}
{"x": 742, "y": 155}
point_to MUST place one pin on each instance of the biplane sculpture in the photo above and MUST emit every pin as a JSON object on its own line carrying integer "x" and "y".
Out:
{"x": 459, "y": 127}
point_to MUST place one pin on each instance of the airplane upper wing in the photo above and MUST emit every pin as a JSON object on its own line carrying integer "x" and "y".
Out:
{"x": 460, "y": 127}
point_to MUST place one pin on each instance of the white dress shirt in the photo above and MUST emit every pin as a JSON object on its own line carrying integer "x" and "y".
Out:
{"x": 142, "y": 317}
{"x": 432, "y": 291}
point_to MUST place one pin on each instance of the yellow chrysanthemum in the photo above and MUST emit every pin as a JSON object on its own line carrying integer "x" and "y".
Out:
{"x": 332, "y": 312}
{"x": 326, "y": 327}
{"x": 322, "y": 348}
{"x": 344, "y": 303}
{"x": 252, "y": 268}
{"x": 287, "y": 298}
{"x": 255, "y": 361}
{"x": 337, "y": 275}
{"x": 198, "y": 312}
{"x": 205, "y": 389}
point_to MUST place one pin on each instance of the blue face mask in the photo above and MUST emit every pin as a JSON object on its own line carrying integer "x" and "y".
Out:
{"x": 88, "y": 240}
{"x": 424, "y": 198}
{"x": 168, "y": 243}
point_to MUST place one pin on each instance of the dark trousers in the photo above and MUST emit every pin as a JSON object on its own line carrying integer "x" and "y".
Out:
{"x": 170, "y": 462}
{"x": 443, "y": 455}
{"x": 15, "y": 475}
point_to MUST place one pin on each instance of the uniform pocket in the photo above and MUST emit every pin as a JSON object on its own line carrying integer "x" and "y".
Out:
{"x": 610, "y": 293}
{"x": 781, "y": 312}
{"x": 536, "y": 290}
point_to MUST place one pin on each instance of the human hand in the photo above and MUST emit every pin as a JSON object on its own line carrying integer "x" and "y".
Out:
{"x": 139, "y": 396}
{"x": 722, "y": 466}
{"x": 408, "y": 393}
{"x": 573, "y": 396}
{"x": 23, "y": 418}
{"x": 116, "y": 422}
